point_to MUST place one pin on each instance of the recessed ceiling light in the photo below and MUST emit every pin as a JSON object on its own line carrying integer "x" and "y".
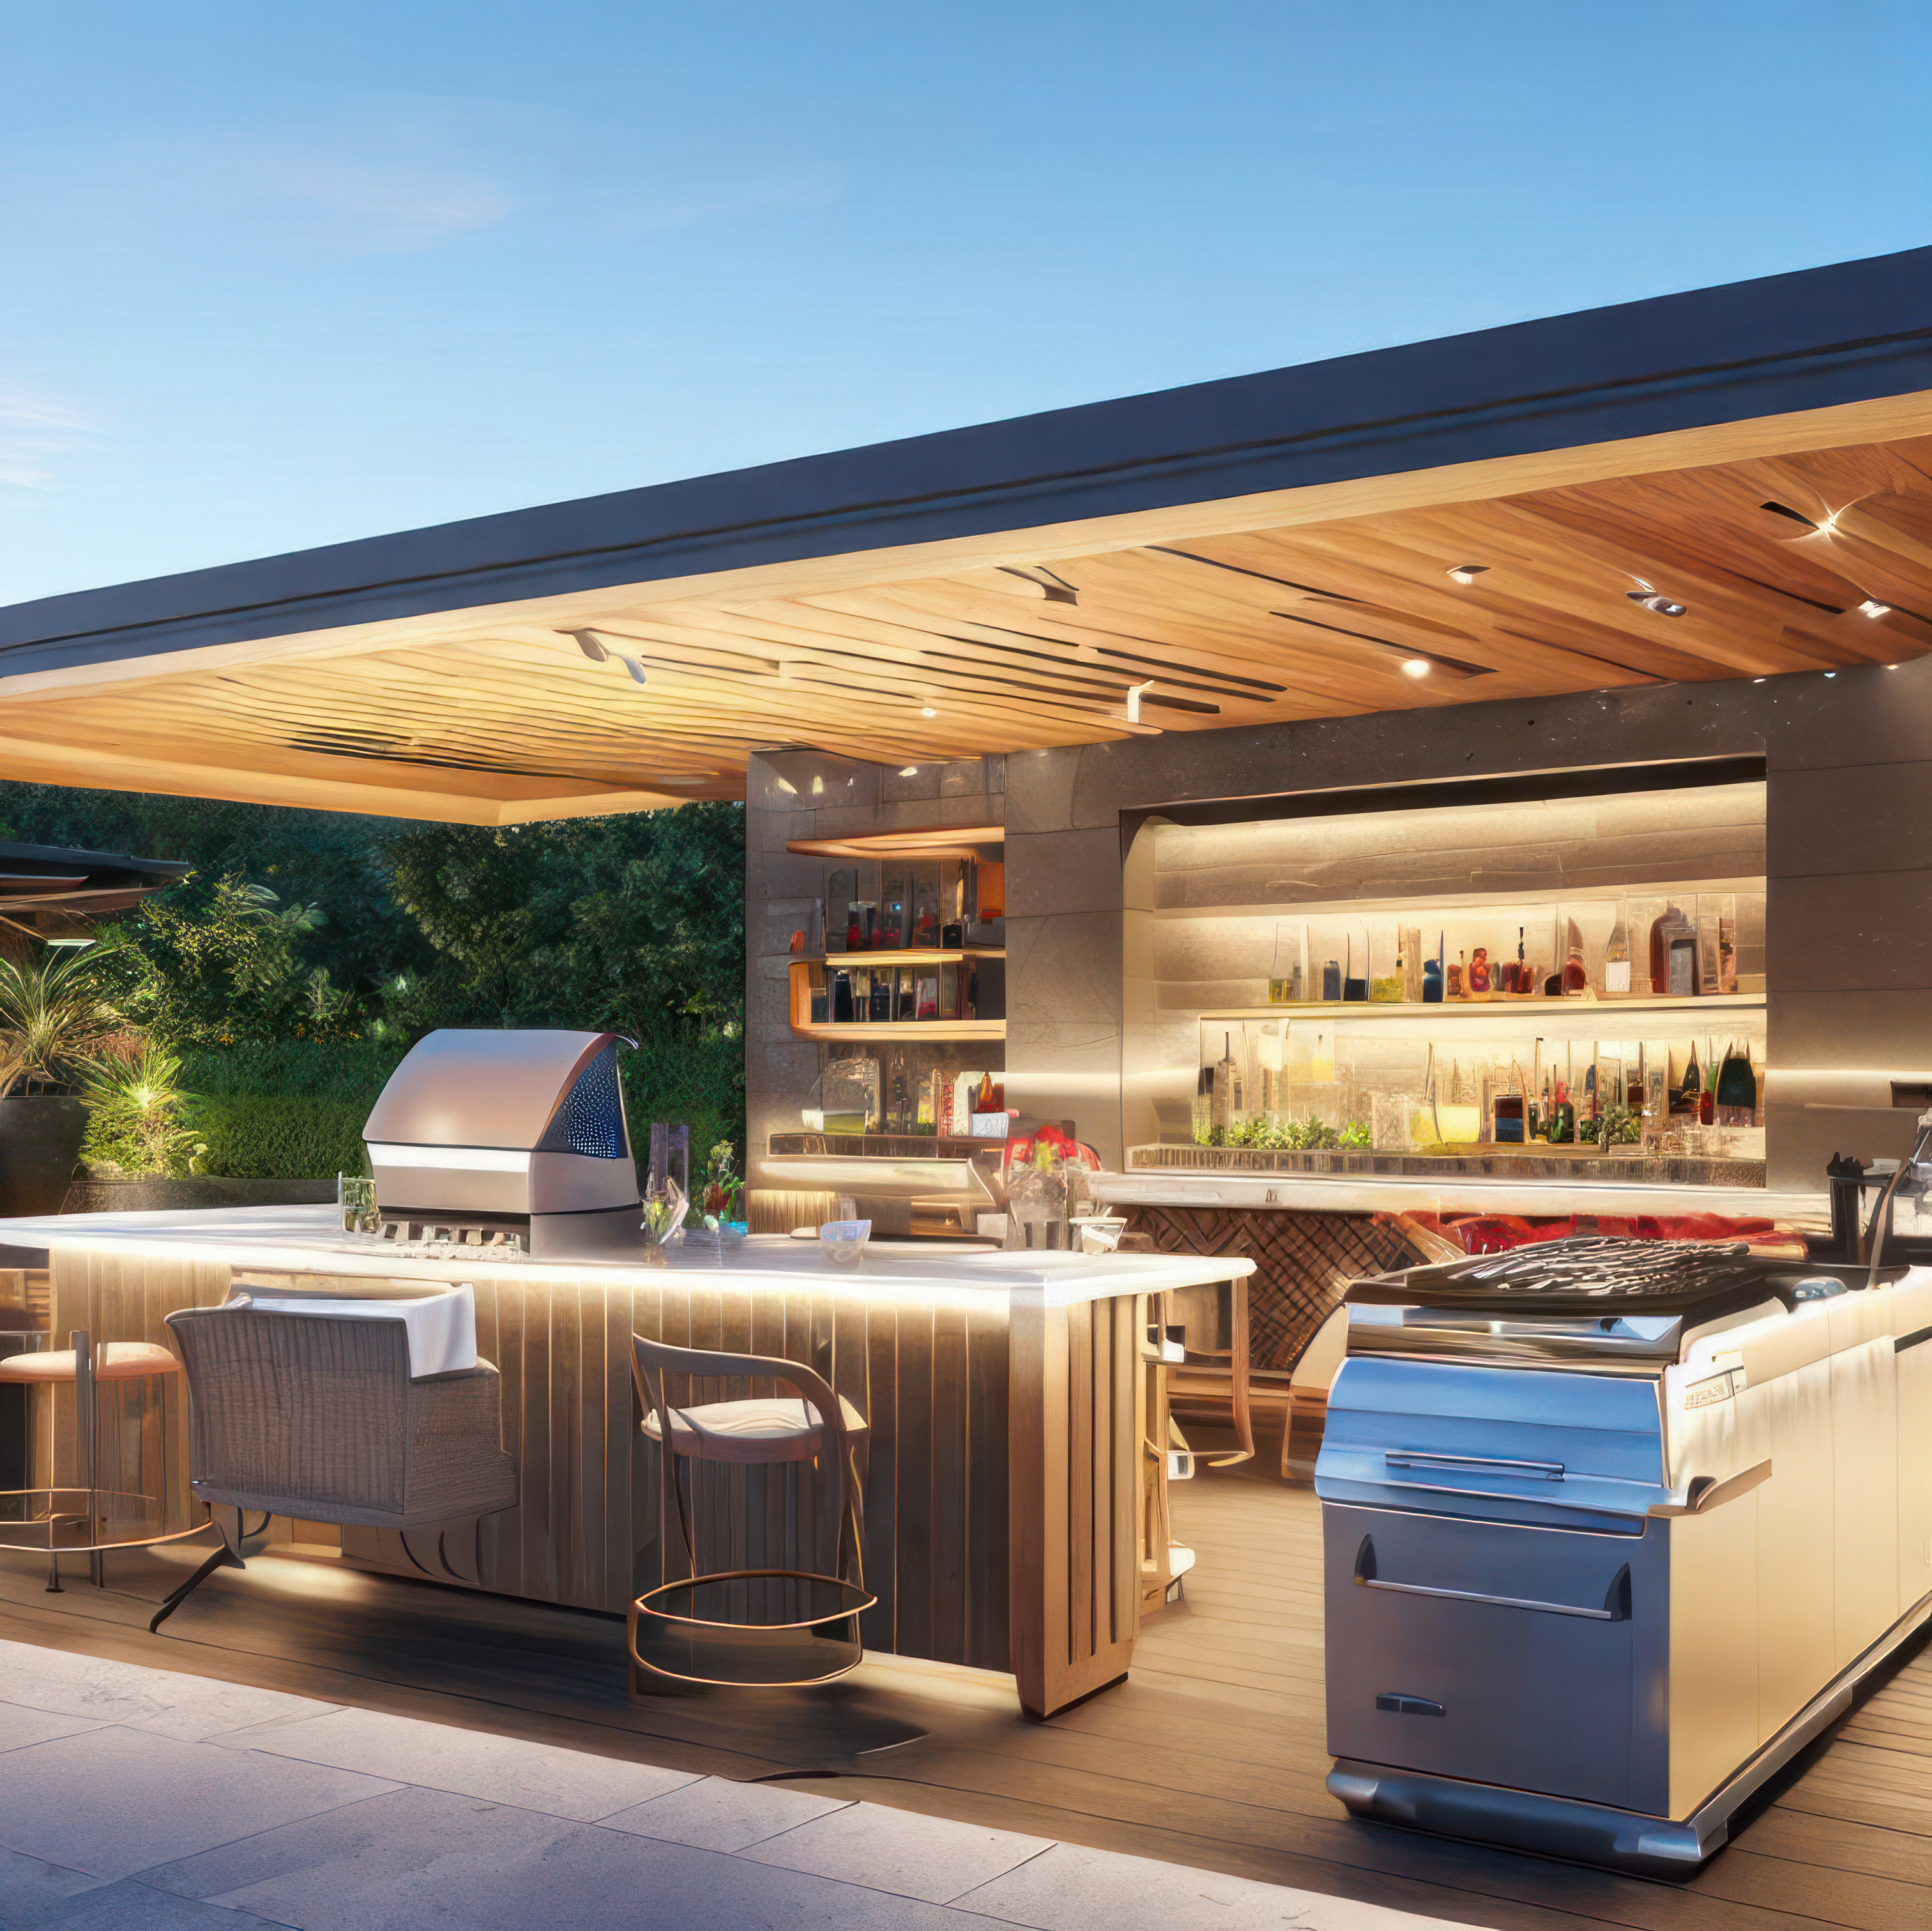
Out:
{"x": 1468, "y": 573}
{"x": 1757, "y": 680}
{"x": 1831, "y": 674}
{"x": 926, "y": 710}
{"x": 1871, "y": 607}
{"x": 1415, "y": 667}
{"x": 908, "y": 770}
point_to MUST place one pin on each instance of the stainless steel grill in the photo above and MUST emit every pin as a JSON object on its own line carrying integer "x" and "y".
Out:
{"x": 510, "y": 1137}
{"x": 1611, "y": 1529}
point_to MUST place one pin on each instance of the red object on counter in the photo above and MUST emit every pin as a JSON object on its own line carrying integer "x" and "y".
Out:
{"x": 1496, "y": 1233}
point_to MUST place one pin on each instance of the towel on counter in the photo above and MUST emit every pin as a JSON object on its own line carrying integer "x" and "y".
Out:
{"x": 442, "y": 1327}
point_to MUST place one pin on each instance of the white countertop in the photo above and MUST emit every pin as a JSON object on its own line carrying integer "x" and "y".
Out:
{"x": 1370, "y": 1193}
{"x": 309, "y": 1240}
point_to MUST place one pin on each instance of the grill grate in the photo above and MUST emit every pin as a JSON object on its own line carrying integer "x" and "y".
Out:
{"x": 1600, "y": 1267}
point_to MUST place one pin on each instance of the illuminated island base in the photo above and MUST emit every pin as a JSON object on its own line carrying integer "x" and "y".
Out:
{"x": 1003, "y": 1500}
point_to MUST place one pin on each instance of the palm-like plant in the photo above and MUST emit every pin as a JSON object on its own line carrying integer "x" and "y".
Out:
{"x": 53, "y": 1022}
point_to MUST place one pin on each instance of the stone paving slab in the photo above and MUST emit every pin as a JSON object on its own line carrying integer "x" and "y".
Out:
{"x": 143, "y": 1800}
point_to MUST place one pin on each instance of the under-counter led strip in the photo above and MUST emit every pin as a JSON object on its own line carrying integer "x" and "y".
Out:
{"x": 453, "y": 1159}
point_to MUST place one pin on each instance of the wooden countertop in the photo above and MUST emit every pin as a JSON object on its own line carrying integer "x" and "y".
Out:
{"x": 309, "y": 1240}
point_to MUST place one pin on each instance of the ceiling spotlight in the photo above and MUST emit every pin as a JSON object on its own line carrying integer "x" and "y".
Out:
{"x": 1871, "y": 607}
{"x": 594, "y": 647}
{"x": 1468, "y": 573}
{"x": 926, "y": 710}
{"x": 1831, "y": 674}
{"x": 1651, "y": 597}
{"x": 908, "y": 770}
{"x": 1415, "y": 667}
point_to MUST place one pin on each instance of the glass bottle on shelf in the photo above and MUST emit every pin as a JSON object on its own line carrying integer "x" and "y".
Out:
{"x": 1707, "y": 1100}
{"x": 1224, "y": 1086}
{"x": 1690, "y": 1094}
{"x": 1736, "y": 1089}
{"x": 1478, "y": 982}
{"x": 1617, "y": 956}
{"x": 1673, "y": 954}
{"x": 1353, "y": 988}
{"x": 1576, "y": 976}
{"x": 1431, "y": 975}
{"x": 1454, "y": 990}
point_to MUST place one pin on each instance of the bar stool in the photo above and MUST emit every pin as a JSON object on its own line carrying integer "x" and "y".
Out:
{"x": 765, "y": 1628}
{"x": 88, "y": 1529}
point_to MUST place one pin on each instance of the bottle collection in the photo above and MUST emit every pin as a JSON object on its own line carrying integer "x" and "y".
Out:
{"x": 1685, "y": 946}
{"x": 1401, "y": 1087}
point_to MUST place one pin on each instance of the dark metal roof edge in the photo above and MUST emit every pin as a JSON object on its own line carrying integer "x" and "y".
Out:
{"x": 163, "y": 868}
{"x": 1849, "y": 332}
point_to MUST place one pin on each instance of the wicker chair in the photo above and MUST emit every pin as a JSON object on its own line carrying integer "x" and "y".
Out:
{"x": 316, "y": 1416}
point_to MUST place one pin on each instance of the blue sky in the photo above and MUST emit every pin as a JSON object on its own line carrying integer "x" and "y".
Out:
{"x": 273, "y": 276}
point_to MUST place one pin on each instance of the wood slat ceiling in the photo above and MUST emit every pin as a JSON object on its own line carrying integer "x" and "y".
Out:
{"x": 1779, "y": 563}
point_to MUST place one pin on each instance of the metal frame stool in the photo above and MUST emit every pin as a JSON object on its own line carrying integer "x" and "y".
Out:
{"x": 85, "y": 1527}
{"x": 755, "y": 1628}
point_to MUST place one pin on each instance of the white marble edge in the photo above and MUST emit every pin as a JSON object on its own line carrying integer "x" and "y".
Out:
{"x": 309, "y": 1240}
{"x": 1343, "y": 1192}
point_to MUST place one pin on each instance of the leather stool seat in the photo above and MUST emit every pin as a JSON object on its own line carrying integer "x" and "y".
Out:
{"x": 116, "y": 1360}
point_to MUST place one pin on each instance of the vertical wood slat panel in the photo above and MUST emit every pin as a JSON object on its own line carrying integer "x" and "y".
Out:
{"x": 1081, "y": 1363}
{"x": 988, "y": 1567}
{"x": 914, "y": 1478}
{"x": 879, "y": 1627}
{"x": 950, "y": 1475}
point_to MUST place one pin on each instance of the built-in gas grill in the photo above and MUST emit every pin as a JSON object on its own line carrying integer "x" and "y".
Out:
{"x": 508, "y": 1138}
{"x": 1611, "y": 1529}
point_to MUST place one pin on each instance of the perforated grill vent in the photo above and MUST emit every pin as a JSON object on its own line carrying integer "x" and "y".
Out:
{"x": 591, "y": 1119}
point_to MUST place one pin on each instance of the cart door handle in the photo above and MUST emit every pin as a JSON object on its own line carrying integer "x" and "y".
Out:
{"x": 1616, "y": 1598}
{"x": 1471, "y": 1464}
{"x": 1706, "y": 1493}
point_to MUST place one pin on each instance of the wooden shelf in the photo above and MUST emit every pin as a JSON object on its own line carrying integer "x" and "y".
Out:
{"x": 905, "y": 1031}
{"x": 904, "y": 955}
{"x": 1522, "y": 1008}
{"x": 947, "y": 841}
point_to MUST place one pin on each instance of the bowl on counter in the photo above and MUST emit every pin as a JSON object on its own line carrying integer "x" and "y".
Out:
{"x": 842, "y": 1243}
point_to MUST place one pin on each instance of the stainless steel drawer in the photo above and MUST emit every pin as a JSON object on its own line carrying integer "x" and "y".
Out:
{"x": 1507, "y": 1655}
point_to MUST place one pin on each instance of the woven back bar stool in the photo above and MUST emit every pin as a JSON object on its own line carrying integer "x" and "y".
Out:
{"x": 317, "y": 1415}
{"x": 756, "y": 1627}
{"x": 82, "y": 1517}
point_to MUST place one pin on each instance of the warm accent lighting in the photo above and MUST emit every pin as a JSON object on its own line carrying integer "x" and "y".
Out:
{"x": 1653, "y": 599}
{"x": 908, "y": 770}
{"x": 1415, "y": 667}
{"x": 1468, "y": 573}
{"x": 452, "y": 1159}
{"x": 926, "y": 710}
{"x": 1871, "y": 607}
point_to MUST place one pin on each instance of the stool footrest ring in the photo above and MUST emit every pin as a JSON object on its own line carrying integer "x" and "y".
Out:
{"x": 746, "y": 1628}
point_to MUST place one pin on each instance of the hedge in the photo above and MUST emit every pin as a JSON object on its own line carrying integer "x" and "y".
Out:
{"x": 251, "y": 1136}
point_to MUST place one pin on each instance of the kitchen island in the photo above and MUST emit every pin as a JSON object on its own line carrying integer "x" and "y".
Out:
{"x": 1003, "y": 1490}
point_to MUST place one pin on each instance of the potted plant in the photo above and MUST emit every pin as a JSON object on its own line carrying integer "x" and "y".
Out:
{"x": 53, "y": 1024}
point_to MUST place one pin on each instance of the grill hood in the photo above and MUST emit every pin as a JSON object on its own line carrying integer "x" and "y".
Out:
{"x": 494, "y": 1129}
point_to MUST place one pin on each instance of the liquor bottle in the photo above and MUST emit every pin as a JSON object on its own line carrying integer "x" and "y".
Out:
{"x": 1587, "y": 1112}
{"x": 1689, "y": 1095}
{"x": 1707, "y": 1100}
{"x": 1736, "y": 1088}
{"x": 1432, "y": 976}
{"x": 1576, "y": 978}
{"x": 1673, "y": 954}
{"x": 1616, "y": 957}
{"x": 855, "y": 927}
{"x": 1523, "y": 983}
{"x": 1224, "y": 1086}
{"x": 1353, "y": 988}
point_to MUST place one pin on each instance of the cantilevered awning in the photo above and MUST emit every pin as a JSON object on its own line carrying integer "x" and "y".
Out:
{"x": 50, "y": 893}
{"x": 1736, "y": 481}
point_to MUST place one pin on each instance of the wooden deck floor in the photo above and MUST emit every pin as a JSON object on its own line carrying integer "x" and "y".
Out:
{"x": 1211, "y": 1754}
